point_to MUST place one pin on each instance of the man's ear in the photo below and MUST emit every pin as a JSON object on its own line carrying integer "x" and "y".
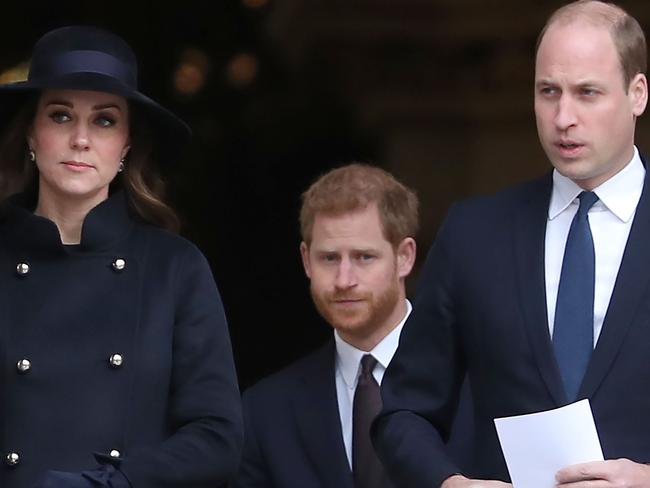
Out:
{"x": 639, "y": 94}
{"x": 406, "y": 251}
{"x": 304, "y": 254}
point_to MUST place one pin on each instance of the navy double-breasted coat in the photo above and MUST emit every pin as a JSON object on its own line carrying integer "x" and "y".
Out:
{"x": 113, "y": 351}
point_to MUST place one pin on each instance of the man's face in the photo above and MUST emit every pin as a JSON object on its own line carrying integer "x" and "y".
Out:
{"x": 585, "y": 114}
{"x": 357, "y": 278}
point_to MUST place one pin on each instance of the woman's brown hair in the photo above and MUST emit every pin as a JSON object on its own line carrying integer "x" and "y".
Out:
{"x": 140, "y": 179}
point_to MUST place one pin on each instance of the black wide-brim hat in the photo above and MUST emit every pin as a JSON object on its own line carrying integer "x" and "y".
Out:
{"x": 89, "y": 58}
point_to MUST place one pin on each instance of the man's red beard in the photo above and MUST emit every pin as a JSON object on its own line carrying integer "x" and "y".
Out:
{"x": 360, "y": 319}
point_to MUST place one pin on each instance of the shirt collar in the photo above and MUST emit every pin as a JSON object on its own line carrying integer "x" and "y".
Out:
{"x": 620, "y": 194}
{"x": 349, "y": 357}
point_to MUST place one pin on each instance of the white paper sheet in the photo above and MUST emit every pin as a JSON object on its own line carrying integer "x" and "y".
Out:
{"x": 538, "y": 445}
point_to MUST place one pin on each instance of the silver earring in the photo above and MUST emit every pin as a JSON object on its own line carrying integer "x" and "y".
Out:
{"x": 32, "y": 155}
{"x": 121, "y": 166}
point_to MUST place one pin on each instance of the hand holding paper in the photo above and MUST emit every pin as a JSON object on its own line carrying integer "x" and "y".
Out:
{"x": 616, "y": 472}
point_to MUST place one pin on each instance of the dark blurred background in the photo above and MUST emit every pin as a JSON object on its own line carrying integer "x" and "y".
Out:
{"x": 439, "y": 92}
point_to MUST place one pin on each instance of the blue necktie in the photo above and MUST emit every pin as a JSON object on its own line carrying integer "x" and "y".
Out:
{"x": 573, "y": 331}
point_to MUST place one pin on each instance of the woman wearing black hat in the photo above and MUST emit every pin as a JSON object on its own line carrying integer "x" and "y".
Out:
{"x": 116, "y": 364}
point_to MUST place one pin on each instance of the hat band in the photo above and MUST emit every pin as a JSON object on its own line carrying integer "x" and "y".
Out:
{"x": 75, "y": 62}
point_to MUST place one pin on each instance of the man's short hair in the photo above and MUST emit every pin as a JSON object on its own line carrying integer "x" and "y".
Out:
{"x": 626, "y": 32}
{"x": 354, "y": 187}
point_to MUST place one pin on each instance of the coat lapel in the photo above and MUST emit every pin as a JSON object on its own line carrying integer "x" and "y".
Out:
{"x": 530, "y": 231}
{"x": 317, "y": 415}
{"x": 629, "y": 294}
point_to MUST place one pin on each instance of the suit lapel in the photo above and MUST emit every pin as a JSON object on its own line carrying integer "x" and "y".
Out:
{"x": 317, "y": 415}
{"x": 530, "y": 232}
{"x": 629, "y": 293}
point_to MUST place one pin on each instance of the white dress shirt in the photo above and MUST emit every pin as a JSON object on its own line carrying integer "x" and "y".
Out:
{"x": 610, "y": 220}
{"x": 348, "y": 368}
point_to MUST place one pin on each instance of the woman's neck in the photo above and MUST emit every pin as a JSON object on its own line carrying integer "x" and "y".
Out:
{"x": 67, "y": 213}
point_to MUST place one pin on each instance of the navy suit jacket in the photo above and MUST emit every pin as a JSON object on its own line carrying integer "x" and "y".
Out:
{"x": 293, "y": 429}
{"x": 481, "y": 309}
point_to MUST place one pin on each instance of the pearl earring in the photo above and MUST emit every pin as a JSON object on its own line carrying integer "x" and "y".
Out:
{"x": 32, "y": 155}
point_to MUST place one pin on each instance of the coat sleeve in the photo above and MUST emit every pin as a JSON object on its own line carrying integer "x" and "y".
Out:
{"x": 253, "y": 472}
{"x": 421, "y": 387}
{"x": 204, "y": 408}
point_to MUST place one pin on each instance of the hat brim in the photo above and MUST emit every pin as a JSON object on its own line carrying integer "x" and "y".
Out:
{"x": 169, "y": 130}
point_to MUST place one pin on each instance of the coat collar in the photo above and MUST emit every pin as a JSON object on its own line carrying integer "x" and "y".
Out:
{"x": 530, "y": 229}
{"x": 104, "y": 225}
{"x": 628, "y": 296}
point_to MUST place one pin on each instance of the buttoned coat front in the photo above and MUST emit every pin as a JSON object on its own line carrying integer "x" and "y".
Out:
{"x": 113, "y": 351}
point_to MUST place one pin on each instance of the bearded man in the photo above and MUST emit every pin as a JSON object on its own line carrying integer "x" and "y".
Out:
{"x": 308, "y": 425}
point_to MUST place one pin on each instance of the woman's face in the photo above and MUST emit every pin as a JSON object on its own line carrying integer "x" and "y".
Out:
{"x": 78, "y": 138}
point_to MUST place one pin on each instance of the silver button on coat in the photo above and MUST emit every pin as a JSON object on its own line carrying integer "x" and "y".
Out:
{"x": 22, "y": 269}
{"x": 23, "y": 365}
{"x": 119, "y": 264}
{"x": 116, "y": 360}
{"x": 12, "y": 459}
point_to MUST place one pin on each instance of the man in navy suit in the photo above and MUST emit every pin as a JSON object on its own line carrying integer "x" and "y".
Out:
{"x": 358, "y": 226}
{"x": 492, "y": 294}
